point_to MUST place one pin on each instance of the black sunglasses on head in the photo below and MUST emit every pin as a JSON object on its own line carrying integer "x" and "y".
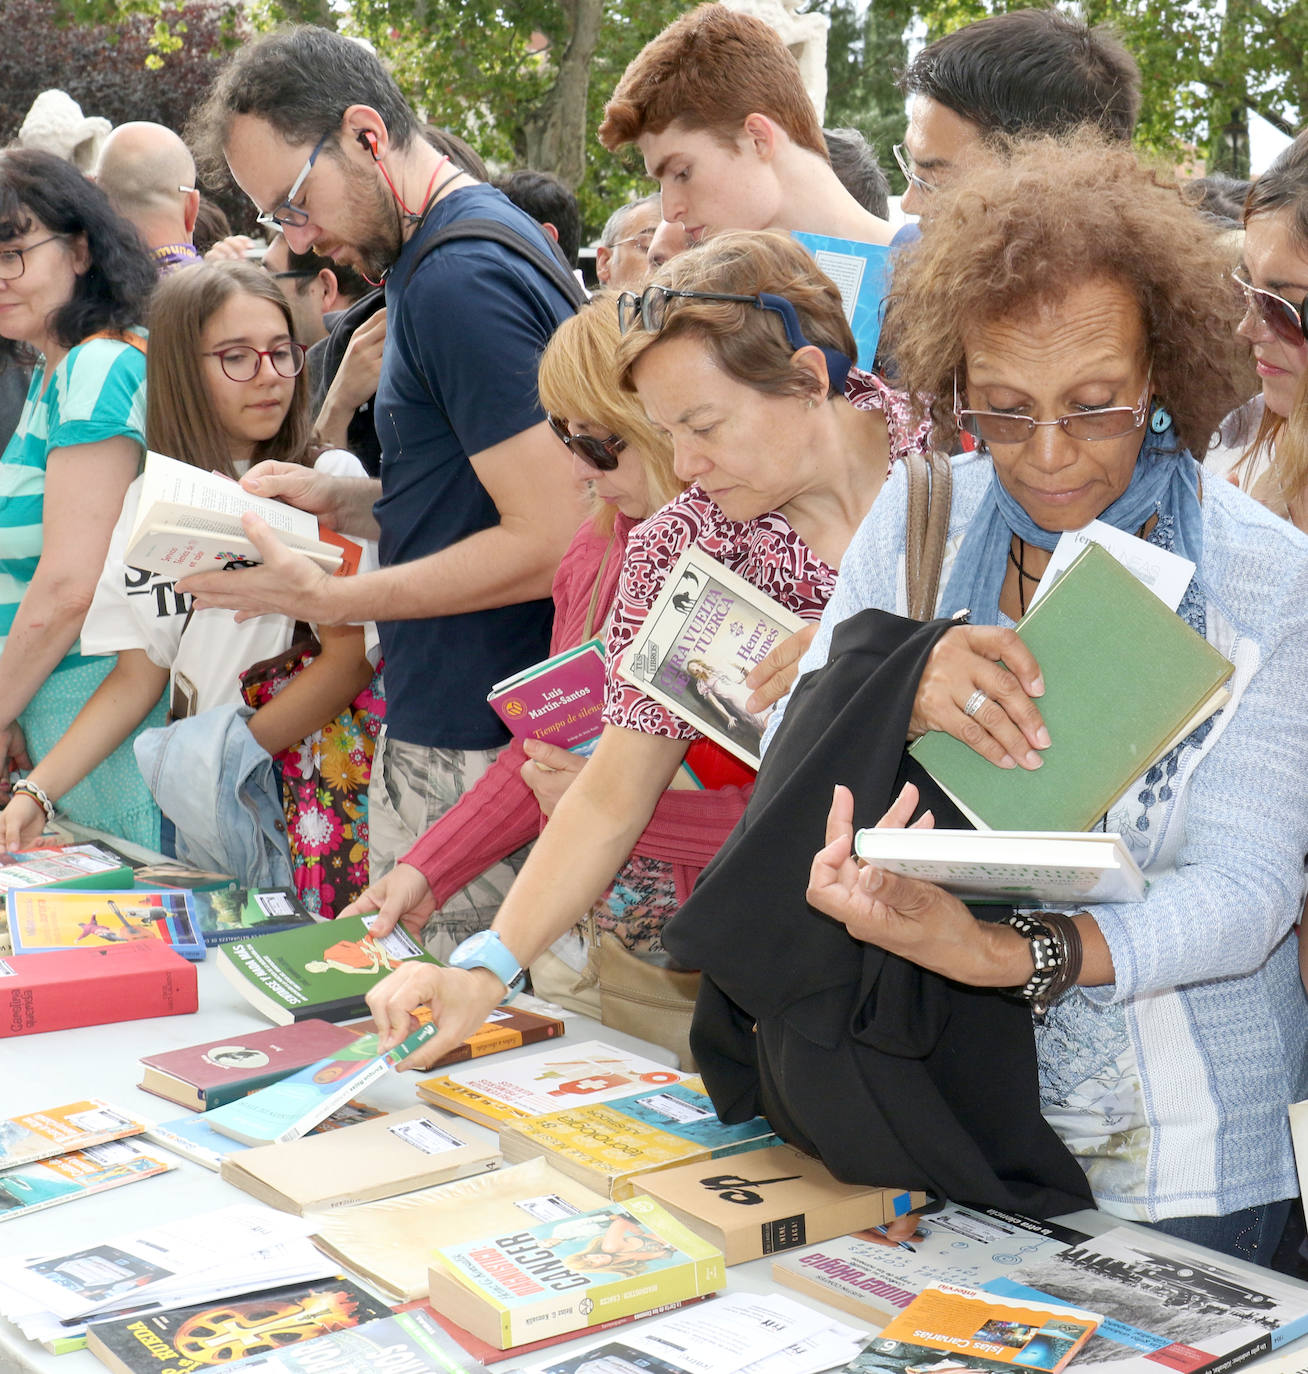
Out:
{"x": 601, "y": 454}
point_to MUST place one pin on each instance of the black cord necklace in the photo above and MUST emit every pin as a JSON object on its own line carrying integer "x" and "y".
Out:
{"x": 1018, "y": 560}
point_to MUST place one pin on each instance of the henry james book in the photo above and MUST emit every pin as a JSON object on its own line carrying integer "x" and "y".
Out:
{"x": 707, "y": 629}
{"x": 572, "y": 1274}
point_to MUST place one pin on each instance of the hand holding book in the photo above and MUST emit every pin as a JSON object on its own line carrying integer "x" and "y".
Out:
{"x": 402, "y": 897}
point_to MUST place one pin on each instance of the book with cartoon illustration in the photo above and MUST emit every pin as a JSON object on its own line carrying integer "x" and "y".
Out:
{"x": 571, "y": 1274}
{"x": 532, "y": 1084}
{"x": 43, "y": 919}
{"x": 324, "y": 970}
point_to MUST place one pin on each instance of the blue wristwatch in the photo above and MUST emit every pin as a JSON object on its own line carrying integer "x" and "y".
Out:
{"x": 485, "y": 949}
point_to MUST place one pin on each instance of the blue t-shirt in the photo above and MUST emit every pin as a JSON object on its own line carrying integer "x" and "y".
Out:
{"x": 464, "y": 336}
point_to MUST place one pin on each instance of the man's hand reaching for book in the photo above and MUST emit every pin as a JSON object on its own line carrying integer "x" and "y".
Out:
{"x": 977, "y": 686}
{"x": 285, "y": 583}
{"x": 460, "y": 1001}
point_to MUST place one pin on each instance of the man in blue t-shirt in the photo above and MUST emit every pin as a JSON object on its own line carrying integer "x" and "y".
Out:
{"x": 475, "y": 503}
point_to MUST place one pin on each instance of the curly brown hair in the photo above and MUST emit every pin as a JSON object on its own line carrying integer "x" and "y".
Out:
{"x": 747, "y": 343}
{"x": 1013, "y": 236}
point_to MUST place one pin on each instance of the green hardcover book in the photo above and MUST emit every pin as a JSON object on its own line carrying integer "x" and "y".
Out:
{"x": 324, "y": 970}
{"x": 1126, "y": 679}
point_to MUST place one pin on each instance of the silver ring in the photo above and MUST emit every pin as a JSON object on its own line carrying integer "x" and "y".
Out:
{"x": 975, "y": 702}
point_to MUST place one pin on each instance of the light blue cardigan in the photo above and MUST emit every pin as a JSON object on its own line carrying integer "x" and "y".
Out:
{"x": 1206, "y": 966}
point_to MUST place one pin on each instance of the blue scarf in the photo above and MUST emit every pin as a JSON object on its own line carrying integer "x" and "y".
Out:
{"x": 1165, "y": 483}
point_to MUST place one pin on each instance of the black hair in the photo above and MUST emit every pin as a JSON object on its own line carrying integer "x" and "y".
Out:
{"x": 1034, "y": 71}
{"x": 114, "y": 290}
{"x": 855, "y": 163}
{"x": 300, "y": 80}
{"x": 547, "y": 200}
{"x": 348, "y": 281}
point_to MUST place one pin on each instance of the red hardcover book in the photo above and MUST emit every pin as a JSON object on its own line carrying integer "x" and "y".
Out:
{"x": 60, "y": 989}
{"x": 202, "y": 1077}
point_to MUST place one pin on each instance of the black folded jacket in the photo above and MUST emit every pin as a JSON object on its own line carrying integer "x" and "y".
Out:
{"x": 891, "y": 1074}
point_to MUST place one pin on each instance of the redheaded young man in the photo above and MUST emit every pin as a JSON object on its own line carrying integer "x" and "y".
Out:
{"x": 717, "y": 108}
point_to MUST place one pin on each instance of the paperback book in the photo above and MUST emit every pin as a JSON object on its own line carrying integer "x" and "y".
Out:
{"x": 1125, "y": 681}
{"x": 770, "y": 1200}
{"x": 189, "y": 521}
{"x": 704, "y": 633}
{"x": 193, "y": 1138}
{"x": 235, "y": 913}
{"x": 93, "y": 987}
{"x": 861, "y": 272}
{"x": 202, "y": 1077}
{"x": 294, "y": 1105}
{"x": 64, "y": 1178}
{"x": 613, "y": 1146}
{"x": 569, "y": 1275}
{"x": 981, "y": 1331}
{"x": 389, "y": 1243}
{"x": 202, "y": 1335}
{"x": 395, "y": 1153}
{"x": 1010, "y": 866}
{"x": 875, "y": 1278}
{"x": 558, "y": 700}
{"x": 44, "y": 919}
{"x": 533, "y": 1084}
{"x": 57, "y": 1130}
{"x": 72, "y": 865}
{"x": 323, "y": 971}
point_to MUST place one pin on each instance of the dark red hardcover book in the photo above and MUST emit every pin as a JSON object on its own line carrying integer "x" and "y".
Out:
{"x": 60, "y": 989}
{"x": 202, "y": 1077}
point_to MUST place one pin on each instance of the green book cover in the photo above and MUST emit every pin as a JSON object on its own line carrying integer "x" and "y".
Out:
{"x": 1125, "y": 678}
{"x": 324, "y": 970}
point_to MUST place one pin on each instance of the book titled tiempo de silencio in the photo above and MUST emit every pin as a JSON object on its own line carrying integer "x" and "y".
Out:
{"x": 558, "y": 700}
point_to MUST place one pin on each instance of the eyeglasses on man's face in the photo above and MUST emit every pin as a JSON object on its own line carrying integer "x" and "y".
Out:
{"x": 287, "y": 212}
{"x": 241, "y": 362}
{"x": 13, "y": 261}
{"x": 1289, "y": 322}
{"x": 997, "y": 427}
{"x": 909, "y": 168}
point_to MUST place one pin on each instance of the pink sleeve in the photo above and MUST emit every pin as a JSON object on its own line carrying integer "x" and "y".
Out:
{"x": 689, "y": 827}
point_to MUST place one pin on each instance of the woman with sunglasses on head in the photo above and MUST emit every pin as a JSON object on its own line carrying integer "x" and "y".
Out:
{"x": 74, "y": 282}
{"x": 740, "y": 351}
{"x": 1067, "y": 309}
{"x": 227, "y": 388}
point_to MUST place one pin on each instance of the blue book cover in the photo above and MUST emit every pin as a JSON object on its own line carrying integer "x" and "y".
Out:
{"x": 861, "y": 272}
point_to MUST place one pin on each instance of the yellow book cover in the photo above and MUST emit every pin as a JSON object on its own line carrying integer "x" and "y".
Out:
{"x": 57, "y": 1130}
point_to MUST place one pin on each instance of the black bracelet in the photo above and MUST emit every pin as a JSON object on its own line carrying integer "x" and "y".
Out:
{"x": 1068, "y": 935}
{"x": 1047, "y": 954}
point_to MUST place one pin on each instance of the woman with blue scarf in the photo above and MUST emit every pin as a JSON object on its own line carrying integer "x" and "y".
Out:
{"x": 1070, "y": 313}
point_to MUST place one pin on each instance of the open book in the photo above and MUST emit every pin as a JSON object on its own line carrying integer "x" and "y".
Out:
{"x": 189, "y": 521}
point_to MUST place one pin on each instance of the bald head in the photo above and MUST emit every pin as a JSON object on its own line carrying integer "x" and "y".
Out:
{"x": 149, "y": 175}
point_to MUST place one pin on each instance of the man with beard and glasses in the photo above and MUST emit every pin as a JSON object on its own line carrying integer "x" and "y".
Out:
{"x": 475, "y": 505}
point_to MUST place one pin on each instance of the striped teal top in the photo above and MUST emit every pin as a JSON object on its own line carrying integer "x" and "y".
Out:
{"x": 97, "y": 392}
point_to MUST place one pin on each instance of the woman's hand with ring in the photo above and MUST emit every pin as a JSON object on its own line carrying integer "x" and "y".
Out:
{"x": 977, "y": 686}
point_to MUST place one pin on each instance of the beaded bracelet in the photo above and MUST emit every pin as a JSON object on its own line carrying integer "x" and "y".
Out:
{"x": 37, "y": 794}
{"x": 1046, "y": 954}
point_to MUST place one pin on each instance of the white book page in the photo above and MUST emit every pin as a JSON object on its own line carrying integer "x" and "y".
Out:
{"x": 1167, "y": 575}
{"x": 173, "y": 483}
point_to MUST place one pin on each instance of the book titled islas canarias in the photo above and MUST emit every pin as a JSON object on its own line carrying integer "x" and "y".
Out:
{"x": 1126, "y": 680}
{"x": 572, "y": 1274}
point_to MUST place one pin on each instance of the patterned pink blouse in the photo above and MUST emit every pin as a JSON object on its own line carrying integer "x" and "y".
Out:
{"x": 766, "y": 552}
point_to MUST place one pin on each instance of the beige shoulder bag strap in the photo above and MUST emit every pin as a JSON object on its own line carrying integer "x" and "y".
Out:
{"x": 930, "y": 487}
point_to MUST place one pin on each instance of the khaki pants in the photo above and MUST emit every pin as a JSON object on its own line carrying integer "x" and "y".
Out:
{"x": 412, "y": 787}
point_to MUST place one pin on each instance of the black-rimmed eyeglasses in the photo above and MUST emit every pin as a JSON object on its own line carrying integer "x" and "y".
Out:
{"x": 650, "y": 311}
{"x": 997, "y": 427}
{"x": 241, "y": 362}
{"x": 601, "y": 454}
{"x": 287, "y": 212}
{"x": 13, "y": 263}
{"x": 1286, "y": 320}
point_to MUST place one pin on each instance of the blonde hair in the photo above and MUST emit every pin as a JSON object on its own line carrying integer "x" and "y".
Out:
{"x": 180, "y": 418}
{"x": 578, "y": 380}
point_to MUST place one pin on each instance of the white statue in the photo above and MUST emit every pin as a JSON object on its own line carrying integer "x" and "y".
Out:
{"x": 56, "y": 124}
{"x": 804, "y": 34}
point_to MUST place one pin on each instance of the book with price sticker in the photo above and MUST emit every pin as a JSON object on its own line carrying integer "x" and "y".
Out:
{"x": 396, "y": 1153}
{"x": 70, "y": 865}
{"x": 1010, "y": 866}
{"x": 193, "y": 1138}
{"x": 323, "y": 971}
{"x": 533, "y": 1084}
{"x": 572, "y": 1274}
{"x": 189, "y": 521}
{"x": 613, "y": 1146}
{"x": 705, "y": 631}
{"x": 558, "y": 700}
{"x": 240, "y": 913}
{"x": 770, "y": 1200}
{"x": 57, "y": 1130}
{"x": 1126, "y": 679}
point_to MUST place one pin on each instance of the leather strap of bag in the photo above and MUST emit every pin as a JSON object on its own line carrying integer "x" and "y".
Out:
{"x": 930, "y": 488}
